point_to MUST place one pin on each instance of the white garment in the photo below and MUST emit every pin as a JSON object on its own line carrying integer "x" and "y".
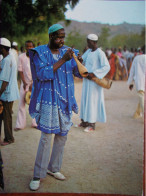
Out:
{"x": 125, "y": 54}
{"x": 92, "y": 101}
{"x": 137, "y": 72}
{"x": 15, "y": 54}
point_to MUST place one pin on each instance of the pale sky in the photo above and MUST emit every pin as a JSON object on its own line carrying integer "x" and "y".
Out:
{"x": 108, "y": 12}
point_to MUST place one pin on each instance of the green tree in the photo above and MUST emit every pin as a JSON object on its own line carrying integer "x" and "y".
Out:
{"x": 76, "y": 40}
{"x": 130, "y": 41}
{"x": 118, "y": 41}
{"x": 103, "y": 38}
{"x": 20, "y": 17}
{"x": 143, "y": 33}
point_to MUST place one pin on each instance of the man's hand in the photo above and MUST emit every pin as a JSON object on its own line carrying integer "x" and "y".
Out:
{"x": 3, "y": 87}
{"x": 30, "y": 88}
{"x": 24, "y": 85}
{"x": 80, "y": 58}
{"x": 68, "y": 55}
{"x": 131, "y": 86}
{"x": 90, "y": 76}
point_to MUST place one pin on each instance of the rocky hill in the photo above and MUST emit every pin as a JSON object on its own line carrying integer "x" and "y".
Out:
{"x": 86, "y": 28}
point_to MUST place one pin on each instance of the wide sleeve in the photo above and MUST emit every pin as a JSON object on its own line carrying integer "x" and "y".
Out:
{"x": 6, "y": 70}
{"x": 132, "y": 73}
{"x": 41, "y": 70}
{"x": 104, "y": 65}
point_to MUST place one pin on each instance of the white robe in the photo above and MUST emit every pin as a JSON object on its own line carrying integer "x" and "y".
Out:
{"x": 137, "y": 72}
{"x": 92, "y": 101}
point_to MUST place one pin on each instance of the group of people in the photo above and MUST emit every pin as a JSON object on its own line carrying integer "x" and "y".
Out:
{"x": 130, "y": 66}
{"x": 14, "y": 68}
{"x": 120, "y": 61}
{"x": 51, "y": 68}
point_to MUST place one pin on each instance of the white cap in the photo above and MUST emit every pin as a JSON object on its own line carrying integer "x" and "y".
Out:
{"x": 5, "y": 42}
{"x": 92, "y": 37}
{"x": 14, "y": 44}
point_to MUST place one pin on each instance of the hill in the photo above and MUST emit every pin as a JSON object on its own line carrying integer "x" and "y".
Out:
{"x": 86, "y": 28}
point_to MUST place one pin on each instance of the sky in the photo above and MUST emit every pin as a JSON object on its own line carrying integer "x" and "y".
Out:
{"x": 108, "y": 12}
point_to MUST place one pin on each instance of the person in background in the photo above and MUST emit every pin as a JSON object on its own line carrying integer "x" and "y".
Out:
{"x": 26, "y": 85}
{"x": 112, "y": 61}
{"x": 123, "y": 64}
{"x": 125, "y": 53}
{"x": 130, "y": 59}
{"x": 137, "y": 76}
{"x": 52, "y": 101}
{"x": 22, "y": 50}
{"x": 8, "y": 89}
{"x": 92, "y": 101}
{"x": 39, "y": 43}
{"x": 14, "y": 51}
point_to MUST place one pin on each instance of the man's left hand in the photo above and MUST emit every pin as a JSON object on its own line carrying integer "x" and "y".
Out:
{"x": 90, "y": 76}
{"x": 131, "y": 86}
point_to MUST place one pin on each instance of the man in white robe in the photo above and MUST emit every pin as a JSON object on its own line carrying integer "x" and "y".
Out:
{"x": 137, "y": 76}
{"x": 92, "y": 101}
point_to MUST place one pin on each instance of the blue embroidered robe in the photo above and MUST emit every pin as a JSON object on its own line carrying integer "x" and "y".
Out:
{"x": 52, "y": 98}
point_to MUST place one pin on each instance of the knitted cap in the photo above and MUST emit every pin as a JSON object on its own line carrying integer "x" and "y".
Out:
{"x": 54, "y": 28}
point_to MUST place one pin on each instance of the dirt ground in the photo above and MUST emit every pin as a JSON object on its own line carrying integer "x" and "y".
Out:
{"x": 108, "y": 160}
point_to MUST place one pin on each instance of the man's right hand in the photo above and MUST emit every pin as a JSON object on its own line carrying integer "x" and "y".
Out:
{"x": 68, "y": 55}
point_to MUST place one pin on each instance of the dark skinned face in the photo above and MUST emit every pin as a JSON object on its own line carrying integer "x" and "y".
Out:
{"x": 57, "y": 41}
{"x": 90, "y": 43}
{"x": 1, "y": 47}
{"x": 28, "y": 46}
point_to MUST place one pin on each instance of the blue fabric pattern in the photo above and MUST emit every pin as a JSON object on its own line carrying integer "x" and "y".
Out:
{"x": 52, "y": 98}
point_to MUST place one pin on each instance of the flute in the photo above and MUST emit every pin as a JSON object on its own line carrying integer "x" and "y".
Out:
{"x": 104, "y": 82}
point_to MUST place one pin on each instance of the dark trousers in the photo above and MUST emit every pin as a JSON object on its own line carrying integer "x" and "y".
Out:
{"x": 6, "y": 117}
{"x": 1, "y": 172}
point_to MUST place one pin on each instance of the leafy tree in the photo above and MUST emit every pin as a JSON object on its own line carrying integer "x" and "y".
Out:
{"x": 76, "y": 40}
{"x": 131, "y": 41}
{"x": 103, "y": 38}
{"x": 20, "y": 17}
{"x": 143, "y": 33}
{"x": 118, "y": 41}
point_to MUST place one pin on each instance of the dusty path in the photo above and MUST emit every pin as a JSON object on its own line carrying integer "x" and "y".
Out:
{"x": 108, "y": 160}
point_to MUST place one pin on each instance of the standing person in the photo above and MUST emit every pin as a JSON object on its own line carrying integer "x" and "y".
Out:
{"x": 14, "y": 51}
{"x": 112, "y": 60}
{"x": 123, "y": 64}
{"x": 130, "y": 59}
{"x": 52, "y": 101}
{"x": 137, "y": 76}
{"x": 92, "y": 101}
{"x": 8, "y": 89}
{"x": 26, "y": 85}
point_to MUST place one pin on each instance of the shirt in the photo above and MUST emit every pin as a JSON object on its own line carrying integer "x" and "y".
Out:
{"x": 8, "y": 73}
{"x": 137, "y": 72}
{"x": 24, "y": 66}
